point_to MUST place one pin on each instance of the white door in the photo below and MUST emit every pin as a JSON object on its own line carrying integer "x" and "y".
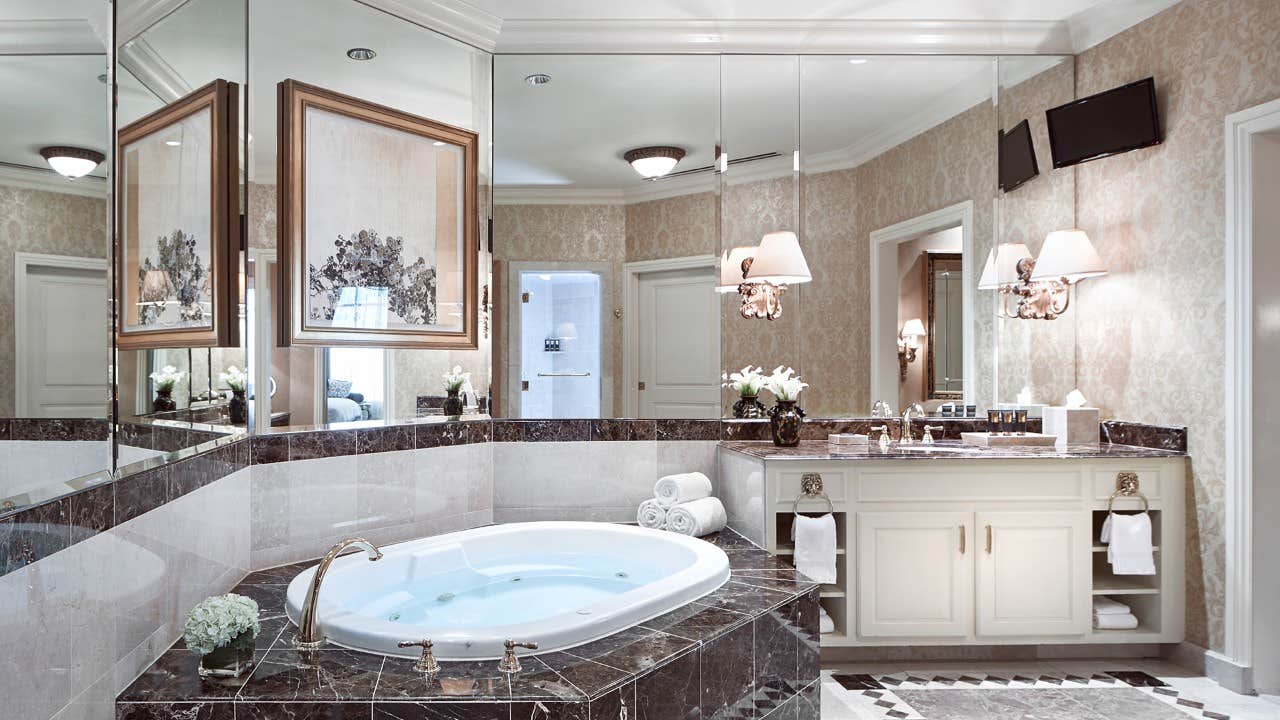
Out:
{"x": 1033, "y": 573}
{"x": 679, "y": 344}
{"x": 915, "y": 574}
{"x": 63, "y": 348}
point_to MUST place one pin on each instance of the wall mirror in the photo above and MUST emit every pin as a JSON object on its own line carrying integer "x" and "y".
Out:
{"x": 944, "y": 320}
{"x": 400, "y": 200}
{"x": 54, "y": 243}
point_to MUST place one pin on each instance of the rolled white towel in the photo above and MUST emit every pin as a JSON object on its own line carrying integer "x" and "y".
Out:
{"x": 697, "y": 518}
{"x": 1125, "y": 621}
{"x": 825, "y": 623}
{"x": 652, "y": 515}
{"x": 1107, "y": 606}
{"x": 682, "y": 488}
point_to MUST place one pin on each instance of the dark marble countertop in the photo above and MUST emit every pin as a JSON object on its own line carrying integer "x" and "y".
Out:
{"x": 943, "y": 450}
{"x": 760, "y": 585}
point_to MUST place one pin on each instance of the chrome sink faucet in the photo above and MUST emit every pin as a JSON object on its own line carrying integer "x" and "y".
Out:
{"x": 309, "y": 637}
{"x": 908, "y": 412}
{"x": 880, "y": 408}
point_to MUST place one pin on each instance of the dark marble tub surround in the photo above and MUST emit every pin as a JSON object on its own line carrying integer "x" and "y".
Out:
{"x": 309, "y": 443}
{"x": 821, "y": 450}
{"x": 169, "y": 435}
{"x": 745, "y": 651}
{"x": 1164, "y": 437}
{"x": 64, "y": 429}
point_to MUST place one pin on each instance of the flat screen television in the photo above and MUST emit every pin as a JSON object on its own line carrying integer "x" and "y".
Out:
{"x": 1017, "y": 157}
{"x": 1105, "y": 124}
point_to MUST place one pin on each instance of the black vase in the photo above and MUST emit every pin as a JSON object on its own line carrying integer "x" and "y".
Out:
{"x": 239, "y": 408}
{"x": 164, "y": 401}
{"x": 749, "y": 408}
{"x": 453, "y": 402}
{"x": 784, "y": 421}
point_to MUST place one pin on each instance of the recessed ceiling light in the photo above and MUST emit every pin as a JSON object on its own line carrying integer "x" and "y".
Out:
{"x": 172, "y": 143}
{"x": 72, "y": 162}
{"x": 857, "y": 61}
{"x": 537, "y": 79}
{"x": 359, "y": 53}
{"x": 654, "y": 162}
{"x": 437, "y": 143}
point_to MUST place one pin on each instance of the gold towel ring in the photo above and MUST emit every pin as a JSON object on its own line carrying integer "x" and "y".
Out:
{"x": 811, "y": 486}
{"x": 1127, "y": 486}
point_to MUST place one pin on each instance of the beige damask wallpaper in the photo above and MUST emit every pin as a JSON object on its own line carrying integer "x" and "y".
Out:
{"x": 1151, "y": 337}
{"x": 672, "y": 227}
{"x": 39, "y": 221}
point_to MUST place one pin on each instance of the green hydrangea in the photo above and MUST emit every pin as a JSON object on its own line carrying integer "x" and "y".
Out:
{"x": 217, "y": 620}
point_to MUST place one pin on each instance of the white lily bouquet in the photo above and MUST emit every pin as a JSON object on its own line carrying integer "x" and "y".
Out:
{"x": 785, "y": 418}
{"x": 457, "y": 381}
{"x": 234, "y": 378}
{"x": 785, "y": 384}
{"x": 221, "y": 630}
{"x": 166, "y": 377}
{"x": 747, "y": 382}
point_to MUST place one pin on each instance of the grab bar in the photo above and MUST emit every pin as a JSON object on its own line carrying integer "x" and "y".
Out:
{"x": 564, "y": 374}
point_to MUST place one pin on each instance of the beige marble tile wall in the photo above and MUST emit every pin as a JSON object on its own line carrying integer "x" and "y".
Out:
{"x": 1151, "y": 332}
{"x": 79, "y": 625}
{"x": 39, "y": 221}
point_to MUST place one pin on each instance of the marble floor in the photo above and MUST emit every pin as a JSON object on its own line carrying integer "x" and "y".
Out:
{"x": 1050, "y": 690}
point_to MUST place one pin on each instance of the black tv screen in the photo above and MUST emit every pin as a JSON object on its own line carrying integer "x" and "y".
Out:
{"x": 1017, "y": 157}
{"x": 1105, "y": 124}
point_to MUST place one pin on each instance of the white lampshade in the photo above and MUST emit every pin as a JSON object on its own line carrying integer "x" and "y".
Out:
{"x": 654, "y": 162}
{"x": 1002, "y": 266}
{"x": 913, "y": 327}
{"x": 731, "y": 268}
{"x": 1068, "y": 254}
{"x": 780, "y": 260}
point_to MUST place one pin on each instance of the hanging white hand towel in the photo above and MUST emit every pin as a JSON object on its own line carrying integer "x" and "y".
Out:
{"x": 652, "y": 515}
{"x": 682, "y": 488}
{"x": 698, "y": 517}
{"x": 1126, "y": 621}
{"x": 1129, "y": 546}
{"x": 815, "y": 540}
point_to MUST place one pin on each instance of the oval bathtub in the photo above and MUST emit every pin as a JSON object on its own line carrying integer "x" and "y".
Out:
{"x": 558, "y": 584}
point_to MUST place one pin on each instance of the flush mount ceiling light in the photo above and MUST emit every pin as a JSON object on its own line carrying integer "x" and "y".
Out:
{"x": 72, "y": 162}
{"x": 654, "y": 162}
{"x": 359, "y": 53}
{"x": 537, "y": 79}
{"x": 1042, "y": 286}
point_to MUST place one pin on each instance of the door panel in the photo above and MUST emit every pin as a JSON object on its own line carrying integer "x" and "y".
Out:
{"x": 915, "y": 574}
{"x": 66, "y": 348}
{"x": 1033, "y": 574}
{"x": 679, "y": 334}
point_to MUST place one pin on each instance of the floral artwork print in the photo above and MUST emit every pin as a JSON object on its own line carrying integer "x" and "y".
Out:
{"x": 368, "y": 261}
{"x": 187, "y": 279}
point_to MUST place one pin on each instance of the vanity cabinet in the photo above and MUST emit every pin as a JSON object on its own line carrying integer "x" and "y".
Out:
{"x": 1032, "y": 574}
{"x": 915, "y": 574}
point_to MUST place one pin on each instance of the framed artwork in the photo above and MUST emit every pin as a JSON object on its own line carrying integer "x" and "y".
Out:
{"x": 178, "y": 224}
{"x": 379, "y": 236}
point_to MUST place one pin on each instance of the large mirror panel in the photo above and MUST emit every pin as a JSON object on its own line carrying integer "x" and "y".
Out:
{"x": 390, "y": 159}
{"x": 54, "y": 250}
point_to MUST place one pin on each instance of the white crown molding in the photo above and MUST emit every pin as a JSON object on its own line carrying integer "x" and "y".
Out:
{"x": 142, "y": 14}
{"x": 459, "y": 20}
{"x": 784, "y": 36}
{"x": 551, "y": 195}
{"x": 30, "y": 178}
{"x": 153, "y": 71}
{"x": 49, "y": 37}
{"x": 1092, "y": 26}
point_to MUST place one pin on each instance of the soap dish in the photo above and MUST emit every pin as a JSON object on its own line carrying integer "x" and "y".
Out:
{"x": 986, "y": 439}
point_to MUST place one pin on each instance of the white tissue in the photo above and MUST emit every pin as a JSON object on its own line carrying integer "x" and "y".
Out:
{"x": 1024, "y": 396}
{"x": 1075, "y": 399}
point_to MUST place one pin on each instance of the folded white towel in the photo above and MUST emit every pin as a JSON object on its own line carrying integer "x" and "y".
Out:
{"x": 1130, "y": 549}
{"x": 698, "y": 517}
{"x": 1107, "y": 606}
{"x": 1127, "y": 621}
{"x": 682, "y": 488}
{"x": 815, "y": 540}
{"x": 825, "y": 623}
{"x": 652, "y": 515}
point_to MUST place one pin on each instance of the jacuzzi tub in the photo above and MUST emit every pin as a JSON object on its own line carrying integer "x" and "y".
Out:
{"x": 559, "y": 584}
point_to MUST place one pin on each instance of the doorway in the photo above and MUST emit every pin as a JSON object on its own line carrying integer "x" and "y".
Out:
{"x": 59, "y": 368}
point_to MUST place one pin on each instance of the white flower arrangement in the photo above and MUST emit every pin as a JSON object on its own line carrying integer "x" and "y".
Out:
{"x": 234, "y": 378}
{"x": 455, "y": 379}
{"x": 218, "y": 620}
{"x": 747, "y": 381}
{"x": 785, "y": 384}
{"x": 166, "y": 377}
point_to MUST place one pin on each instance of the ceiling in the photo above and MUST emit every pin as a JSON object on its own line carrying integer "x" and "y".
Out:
{"x": 52, "y": 100}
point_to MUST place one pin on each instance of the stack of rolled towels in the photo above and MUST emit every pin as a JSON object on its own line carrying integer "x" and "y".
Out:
{"x": 1110, "y": 614}
{"x": 683, "y": 504}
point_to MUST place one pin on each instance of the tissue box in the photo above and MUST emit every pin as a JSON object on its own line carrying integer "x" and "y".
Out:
{"x": 1073, "y": 426}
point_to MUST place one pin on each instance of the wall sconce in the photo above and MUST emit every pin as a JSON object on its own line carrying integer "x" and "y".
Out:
{"x": 761, "y": 274}
{"x": 908, "y": 344}
{"x": 1042, "y": 286}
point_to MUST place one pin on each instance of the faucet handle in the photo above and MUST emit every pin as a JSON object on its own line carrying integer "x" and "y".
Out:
{"x": 427, "y": 662}
{"x": 510, "y": 663}
{"x": 928, "y": 434}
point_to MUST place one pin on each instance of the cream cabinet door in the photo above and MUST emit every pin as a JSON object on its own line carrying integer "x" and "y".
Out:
{"x": 915, "y": 574}
{"x": 1033, "y": 573}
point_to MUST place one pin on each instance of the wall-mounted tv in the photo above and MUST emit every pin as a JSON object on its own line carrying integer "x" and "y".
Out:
{"x": 1105, "y": 124}
{"x": 1017, "y": 157}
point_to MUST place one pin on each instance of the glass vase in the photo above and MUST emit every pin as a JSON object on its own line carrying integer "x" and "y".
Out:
{"x": 784, "y": 421}
{"x": 453, "y": 402}
{"x": 164, "y": 401}
{"x": 230, "y": 660}
{"x": 749, "y": 408}
{"x": 238, "y": 408}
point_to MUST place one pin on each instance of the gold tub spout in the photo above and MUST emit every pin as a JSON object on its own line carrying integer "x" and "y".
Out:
{"x": 308, "y": 629}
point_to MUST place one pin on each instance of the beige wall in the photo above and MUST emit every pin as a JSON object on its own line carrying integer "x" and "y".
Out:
{"x": 1151, "y": 335}
{"x": 39, "y": 221}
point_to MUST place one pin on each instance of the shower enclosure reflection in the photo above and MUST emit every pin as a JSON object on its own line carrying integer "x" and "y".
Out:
{"x": 559, "y": 345}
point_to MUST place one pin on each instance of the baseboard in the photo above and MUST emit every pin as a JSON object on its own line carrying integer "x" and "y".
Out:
{"x": 1228, "y": 673}
{"x": 987, "y": 653}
